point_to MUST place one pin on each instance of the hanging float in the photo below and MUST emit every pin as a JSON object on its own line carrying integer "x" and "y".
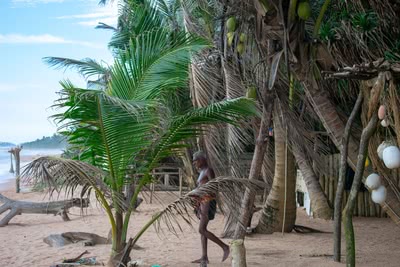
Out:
{"x": 391, "y": 157}
{"x": 373, "y": 181}
{"x": 379, "y": 195}
{"x": 381, "y": 112}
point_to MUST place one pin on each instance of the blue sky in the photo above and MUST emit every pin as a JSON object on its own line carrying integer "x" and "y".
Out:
{"x": 31, "y": 30}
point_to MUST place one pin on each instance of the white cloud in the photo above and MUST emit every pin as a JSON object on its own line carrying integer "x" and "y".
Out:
{"x": 42, "y": 39}
{"x": 112, "y": 21}
{"x": 107, "y": 14}
{"x": 33, "y": 2}
{"x": 88, "y": 16}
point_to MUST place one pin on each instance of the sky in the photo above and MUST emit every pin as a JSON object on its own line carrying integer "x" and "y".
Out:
{"x": 31, "y": 30}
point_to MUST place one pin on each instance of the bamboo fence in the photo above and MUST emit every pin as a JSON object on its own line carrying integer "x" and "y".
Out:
{"x": 364, "y": 205}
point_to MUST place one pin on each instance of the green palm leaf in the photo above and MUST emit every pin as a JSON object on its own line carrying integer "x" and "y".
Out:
{"x": 135, "y": 18}
{"x": 111, "y": 131}
{"x": 87, "y": 67}
{"x": 154, "y": 65}
{"x": 189, "y": 125}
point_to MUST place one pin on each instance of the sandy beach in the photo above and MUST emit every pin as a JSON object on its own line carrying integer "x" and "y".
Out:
{"x": 21, "y": 242}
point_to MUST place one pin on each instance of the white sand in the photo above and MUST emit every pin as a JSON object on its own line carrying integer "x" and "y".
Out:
{"x": 21, "y": 245}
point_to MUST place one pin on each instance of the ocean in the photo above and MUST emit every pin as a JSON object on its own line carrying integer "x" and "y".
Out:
{"x": 5, "y": 160}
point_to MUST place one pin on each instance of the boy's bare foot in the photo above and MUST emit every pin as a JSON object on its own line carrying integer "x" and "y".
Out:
{"x": 226, "y": 253}
{"x": 201, "y": 260}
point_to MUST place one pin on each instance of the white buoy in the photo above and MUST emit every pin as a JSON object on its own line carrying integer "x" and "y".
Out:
{"x": 384, "y": 123}
{"x": 379, "y": 195}
{"x": 391, "y": 157}
{"x": 382, "y": 147}
{"x": 373, "y": 181}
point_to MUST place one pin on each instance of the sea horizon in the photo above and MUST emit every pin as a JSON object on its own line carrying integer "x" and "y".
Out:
{"x": 26, "y": 157}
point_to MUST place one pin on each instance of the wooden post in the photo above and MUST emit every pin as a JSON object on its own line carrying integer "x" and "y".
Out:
{"x": 166, "y": 179}
{"x": 238, "y": 252}
{"x": 11, "y": 161}
{"x": 180, "y": 182}
{"x": 360, "y": 203}
{"x": 151, "y": 192}
{"x": 366, "y": 202}
{"x": 152, "y": 189}
{"x": 16, "y": 153}
{"x": 372, "y": 210}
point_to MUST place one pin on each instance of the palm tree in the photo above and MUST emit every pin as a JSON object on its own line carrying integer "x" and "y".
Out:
{"x": 131, "y": 124}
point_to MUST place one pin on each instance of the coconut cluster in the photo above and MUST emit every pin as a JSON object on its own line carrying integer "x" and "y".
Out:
{"x": 231, "y": 28}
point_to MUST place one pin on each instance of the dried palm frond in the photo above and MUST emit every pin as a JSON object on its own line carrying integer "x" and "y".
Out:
{"x": 60, "y": 174}
{"x": 182, "y": 208}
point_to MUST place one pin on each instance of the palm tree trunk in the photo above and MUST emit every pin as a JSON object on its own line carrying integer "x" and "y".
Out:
{"x": 337, "y": 233}
{"x": 328, "y": 115}
{"x": 279, "y": 211}
{"x": 349, "y": 209}
{"x": 255, "y": 170}
{"x": 319, "y": 202}
{"x": 117, "y": 241}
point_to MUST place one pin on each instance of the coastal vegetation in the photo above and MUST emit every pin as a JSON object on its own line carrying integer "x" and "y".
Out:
{"x": 55, "y": 141}
{"x": 6, "y": 144}
{"x": 179, "y": 81}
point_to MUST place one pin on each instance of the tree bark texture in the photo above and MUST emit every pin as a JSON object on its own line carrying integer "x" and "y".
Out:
{"x": 238, "y": 252}
{"x": 319, "y": 201}
{"x": 328, "y": 115}
{"x": 255, "y": 170}
{"x": 337, "y": 236}
{"x": 284, "y": 183}
{"x": 349, "y": 209}
{"x": 55, "y": 207}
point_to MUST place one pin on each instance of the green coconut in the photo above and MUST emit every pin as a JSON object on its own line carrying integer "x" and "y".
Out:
{"x": 230, "y": 36}
{"x": 242, "y": 37}
{"x": 251, "y": 93}
{"x": 304, "y": 10}
{"x": 231, "y": 24}
{"x": 240, "y": 48}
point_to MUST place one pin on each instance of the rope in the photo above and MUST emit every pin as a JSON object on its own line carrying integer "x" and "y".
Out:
{"x": 286, "y": 171}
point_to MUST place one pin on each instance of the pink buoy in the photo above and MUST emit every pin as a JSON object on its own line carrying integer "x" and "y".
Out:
{"x": 381, "y": 112}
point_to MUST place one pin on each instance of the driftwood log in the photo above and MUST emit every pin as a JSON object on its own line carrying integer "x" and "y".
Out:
{"x": 86, "y": 239}
{"x": 17, "y": 207}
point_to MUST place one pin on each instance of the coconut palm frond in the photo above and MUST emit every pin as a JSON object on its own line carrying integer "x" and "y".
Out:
{"x": 135, "y": 18}
{"x": 207, "y": 81}
{"x": 112, "y": 131}
{"x": 105, "y": 26}
{"x": 199, "y": 16}
{"x": 87, "y": 67}
{"x": 237, "y": 137}
{"x": 67, "y": 175}
{"x": 154, "y": 65}
{"x": 189, "y": 125}
{"x": 226, "y": 187}
{"x": 300, "y": 128}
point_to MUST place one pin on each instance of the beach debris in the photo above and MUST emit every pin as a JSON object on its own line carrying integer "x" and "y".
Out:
{"x": 17, "y": 207}
{"x": 86, "y": 239}
{"x": 135, "y": 263}
{"x": 56, "y": 241}
{"x": 76, "y": 258}
{"x": 78, "y": 261}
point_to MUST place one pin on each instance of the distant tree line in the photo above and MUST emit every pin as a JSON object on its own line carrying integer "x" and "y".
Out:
{"x": 55, "y": 141}
{"x": 6, "y": 144}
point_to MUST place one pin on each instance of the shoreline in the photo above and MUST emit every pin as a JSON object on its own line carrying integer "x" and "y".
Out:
{"x": 7, "y": 185}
